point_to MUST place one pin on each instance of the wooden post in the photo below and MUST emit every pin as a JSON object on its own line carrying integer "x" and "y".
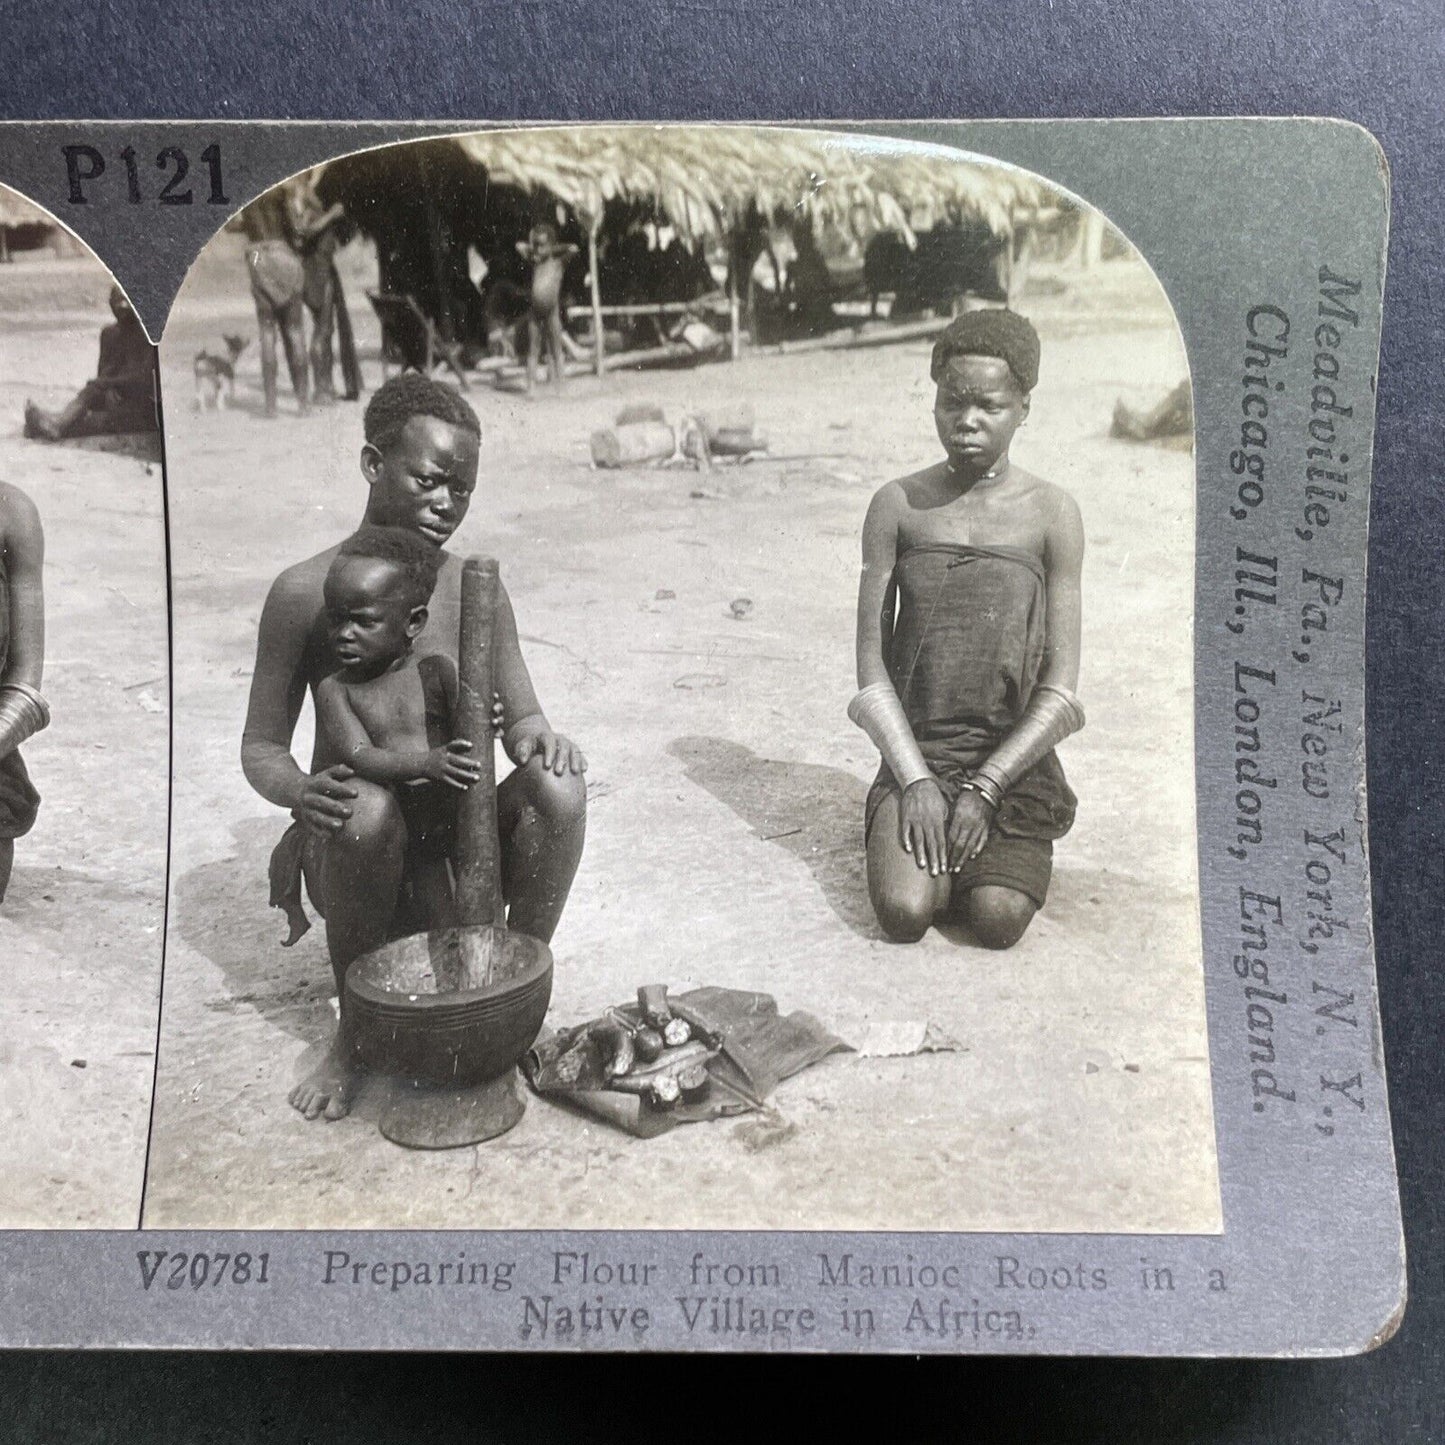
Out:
{"x": 597, "y": 337}
{"x": 1022, "y": 259}
{"x": 1089, "y": 248}
{"x": 735, "y": 340}
{"x": 437, "y": 247}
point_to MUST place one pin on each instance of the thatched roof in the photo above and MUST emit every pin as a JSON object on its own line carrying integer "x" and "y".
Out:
{"x": 928, "y": 177}
{"x": 707, "y": 177}
{"x": 15, "y": 210}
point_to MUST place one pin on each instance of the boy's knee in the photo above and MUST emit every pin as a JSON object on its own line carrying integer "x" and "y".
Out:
{"x": 375, "y": 820}
{"x": 562, "y": 801}
{"x": 999, "y": 917}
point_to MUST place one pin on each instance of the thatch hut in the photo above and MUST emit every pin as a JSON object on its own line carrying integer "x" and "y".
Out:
{"x": 429, "y": 209}
{"x": 726, "y": 191}
{"x": 730, "y": 185}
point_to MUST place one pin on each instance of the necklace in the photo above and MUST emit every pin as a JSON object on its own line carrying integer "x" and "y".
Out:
{"x": 986, "y": 477}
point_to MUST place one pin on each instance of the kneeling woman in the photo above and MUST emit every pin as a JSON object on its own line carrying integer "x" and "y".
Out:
{"x": 22, "y": 659}
{"x": 968, "y": 654}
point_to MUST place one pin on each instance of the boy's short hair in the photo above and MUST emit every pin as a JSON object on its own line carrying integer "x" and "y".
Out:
{"x": 1001, "y": 333}
{"x": 411, "y": 394}
{"x": 413, "y": 556}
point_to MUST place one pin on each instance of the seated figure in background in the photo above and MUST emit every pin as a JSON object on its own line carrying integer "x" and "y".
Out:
{"x": 122, "y": 396}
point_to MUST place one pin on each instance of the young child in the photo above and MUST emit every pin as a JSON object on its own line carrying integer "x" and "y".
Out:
{"x": 549, "y": 259}
{"x": 389, "y": 713}
{"x": 968, "y": 654}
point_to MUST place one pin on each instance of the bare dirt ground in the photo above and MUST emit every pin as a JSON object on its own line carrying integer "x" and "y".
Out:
{"x": 81, "y": 925}
{"x": 725, "y": 829}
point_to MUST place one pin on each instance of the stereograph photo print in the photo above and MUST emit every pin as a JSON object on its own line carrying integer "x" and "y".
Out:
{"x": 83, "y": 730}
{"x": 942, "y": 377}
{"x": 765, "y": 735}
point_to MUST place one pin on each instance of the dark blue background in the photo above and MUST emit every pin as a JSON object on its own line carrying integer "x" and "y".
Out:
{"x": 1379, "y": 64}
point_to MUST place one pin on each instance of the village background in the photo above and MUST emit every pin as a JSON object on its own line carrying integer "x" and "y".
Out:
{"x": 81, "y": 924}
{"x": 726, "y": 784}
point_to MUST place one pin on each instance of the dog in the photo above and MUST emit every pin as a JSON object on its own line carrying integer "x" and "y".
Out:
{"x": 216, "y": 375}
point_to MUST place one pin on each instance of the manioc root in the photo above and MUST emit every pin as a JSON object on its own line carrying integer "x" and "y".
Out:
{"x": 618, "y": 1051}
{"x": 652, "y": 1004}
{"x": 672, "y": 1063}
{"x": 694, "y": 1082}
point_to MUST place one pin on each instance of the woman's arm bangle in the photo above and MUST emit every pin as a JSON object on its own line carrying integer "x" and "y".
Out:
{"x": 879, "y": 713}
{"x": 986, "y": 790}
{"x": 23, "y": 713}
{"x": 1053, "y": 713}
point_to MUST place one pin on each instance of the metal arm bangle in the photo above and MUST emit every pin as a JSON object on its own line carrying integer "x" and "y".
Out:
{"x": 984, "y": 787}
{"x": 1052, "y": 714}
{"x": 879, "y": 713}
{"x": 23, "y": 712}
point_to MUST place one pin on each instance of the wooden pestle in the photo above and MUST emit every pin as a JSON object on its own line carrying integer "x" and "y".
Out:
{"x": 478, "y": 860}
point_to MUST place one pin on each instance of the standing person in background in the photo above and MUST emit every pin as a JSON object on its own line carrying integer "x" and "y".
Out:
{"x": 315, "y": 232}
{"x": 291, "y": 275}
{"x": 549, "y": 258}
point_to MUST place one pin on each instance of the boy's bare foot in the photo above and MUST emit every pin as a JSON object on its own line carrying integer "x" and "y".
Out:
{"x": 325, "y": 1093}
{"x": 298, "y": 925}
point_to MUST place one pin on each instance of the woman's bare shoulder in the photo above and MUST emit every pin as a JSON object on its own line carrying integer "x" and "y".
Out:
{"x": 1048, "y": 497}
{"x": 905, "y": 493}
{"x": 19, "y": 518}
{"x": 17, "y": 504}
